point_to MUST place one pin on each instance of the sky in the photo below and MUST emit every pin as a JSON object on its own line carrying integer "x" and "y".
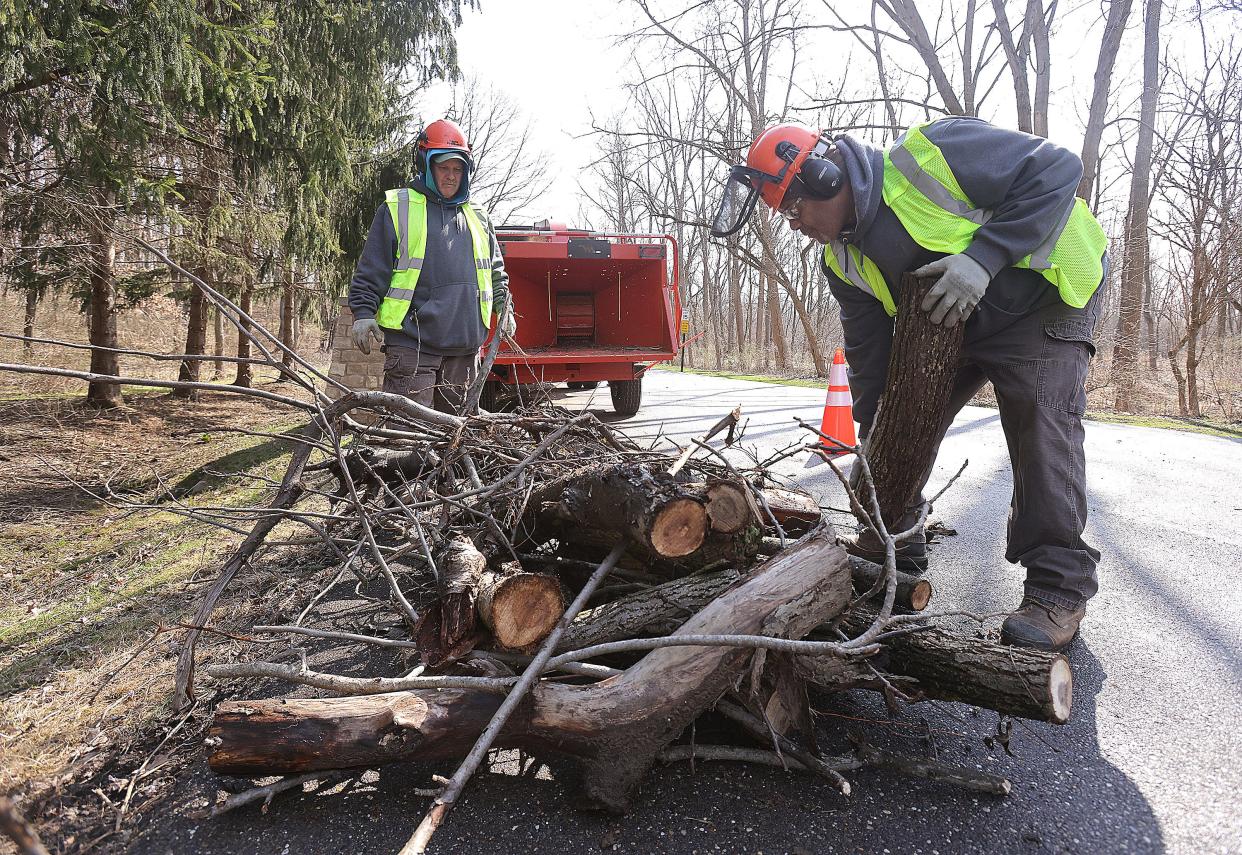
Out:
{"x": 558, "y": 59}
{"x": 561, "y": 62}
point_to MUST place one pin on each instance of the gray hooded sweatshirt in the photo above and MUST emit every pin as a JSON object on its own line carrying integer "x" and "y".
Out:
{"x": 1025, "y": 180}
{"x": 444, "y": 315}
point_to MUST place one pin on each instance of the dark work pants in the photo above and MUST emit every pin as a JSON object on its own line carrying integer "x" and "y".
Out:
{"x": 440, "y": 382}
{"x": 1038, "y": 367}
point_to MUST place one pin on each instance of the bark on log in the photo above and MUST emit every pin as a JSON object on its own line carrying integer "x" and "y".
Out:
{"x": 913, "y": 592}
{"x": 952, "y": 666}
{"x": 796, "y": 512}
{"x": 638, "y": 502}
{"x": 902, "y": 444}
{"x": 616, "y": 726}
{"x": 519, "y": 608}
{"x": 939, "y": 662}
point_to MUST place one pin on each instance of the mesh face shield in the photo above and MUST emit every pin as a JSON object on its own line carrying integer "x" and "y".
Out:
{"x": 737, "y": 202}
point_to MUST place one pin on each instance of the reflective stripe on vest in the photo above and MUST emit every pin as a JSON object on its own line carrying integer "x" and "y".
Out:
{"x": 922, "y": 191}
{"x": 411, "y": 228}
{"x": 850, "y": 264}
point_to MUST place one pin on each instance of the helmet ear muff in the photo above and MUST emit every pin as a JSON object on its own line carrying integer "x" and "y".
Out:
{"x": 821, "y": 177}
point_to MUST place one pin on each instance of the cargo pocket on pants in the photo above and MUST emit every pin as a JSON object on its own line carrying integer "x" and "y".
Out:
{"x": 1068, "y": 348}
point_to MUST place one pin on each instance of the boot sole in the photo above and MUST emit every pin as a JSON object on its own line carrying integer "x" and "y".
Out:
{"x": 1014, "y": 641}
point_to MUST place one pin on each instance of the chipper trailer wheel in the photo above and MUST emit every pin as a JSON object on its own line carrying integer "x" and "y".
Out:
{"x": 627, "y": 395}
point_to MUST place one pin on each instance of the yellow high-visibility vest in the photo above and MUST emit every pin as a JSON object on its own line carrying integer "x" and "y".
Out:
{"x": 408, "y": 209}
{"x": 922, "y": 191}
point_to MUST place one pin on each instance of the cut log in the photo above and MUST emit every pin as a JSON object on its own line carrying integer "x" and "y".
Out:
{"x": 796, "y": 512}
{"x": 953, "y": 666}
{"x": 637, "y": 502}
{"x": 616, "y": 726}
{"x": 902, "y": 444}
{"x": 941, "y": 663}
{"x": 728, "y": 507}
{"x": 519, "y": 608}
{"x": 913, "y": 592}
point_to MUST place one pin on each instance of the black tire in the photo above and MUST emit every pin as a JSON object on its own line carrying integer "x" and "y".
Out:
{"x": 575, "y": 385}
{"x": 627, "y": 395}
{"x": 490, "y": 397}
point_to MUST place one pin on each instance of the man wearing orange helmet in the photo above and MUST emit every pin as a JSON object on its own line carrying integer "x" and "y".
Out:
{"x": 431, "y": 277}
{"x": 993, "y": 214}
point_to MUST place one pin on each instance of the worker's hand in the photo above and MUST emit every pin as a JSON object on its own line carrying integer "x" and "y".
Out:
{"x": 508, "y": 322}
{"x": 363, "y": 331}
{"x": 959, "y": 289}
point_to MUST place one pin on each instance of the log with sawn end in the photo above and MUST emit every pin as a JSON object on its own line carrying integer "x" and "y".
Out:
{"x": 617, "y": 726}
{"x": 641, "y": 503}
{"x": 938, "y": 662}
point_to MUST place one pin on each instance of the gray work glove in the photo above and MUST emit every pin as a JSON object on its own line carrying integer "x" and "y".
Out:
{"x": 959, "y": 289}
{"x": 363, "y": 331}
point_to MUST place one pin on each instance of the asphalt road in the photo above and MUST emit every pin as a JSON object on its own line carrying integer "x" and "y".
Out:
{"x": 1150, "y": 762}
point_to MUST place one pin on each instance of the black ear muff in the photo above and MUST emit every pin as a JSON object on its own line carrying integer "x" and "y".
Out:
{"x": 821, "y": 177}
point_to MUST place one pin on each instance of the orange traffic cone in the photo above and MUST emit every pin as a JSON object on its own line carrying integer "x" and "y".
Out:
{"x": 838, "y": 421}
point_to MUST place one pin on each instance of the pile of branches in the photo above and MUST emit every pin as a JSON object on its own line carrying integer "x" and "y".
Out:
{"x": 562, "y": 587}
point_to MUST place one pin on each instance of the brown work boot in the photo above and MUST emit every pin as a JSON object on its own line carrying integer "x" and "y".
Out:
{"x": 911, "y": 553}
{"x": 1042, "y": 625}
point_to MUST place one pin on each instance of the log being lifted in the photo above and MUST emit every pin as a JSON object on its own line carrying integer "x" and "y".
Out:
{"x": 642, "y": 503}
{"x": 946, "y": 665}
{"x": 902, "y": 444}
{"x": 616, "y": 726}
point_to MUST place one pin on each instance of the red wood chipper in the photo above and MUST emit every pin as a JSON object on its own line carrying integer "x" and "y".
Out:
{"x": 591, "y": 307}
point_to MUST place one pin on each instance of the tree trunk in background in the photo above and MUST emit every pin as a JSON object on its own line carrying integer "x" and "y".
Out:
{"x": 1110, "y": 43}
{"x": 1149, "y": 324}
{"x": 219, "y": 335}
{"x": 244, "y": 374}
{"x": 1017, "y": 55}
{"x": 195, "y": 337}
{"x": 28, "y": 321}
{"x": 735, "y": 299}
{"x": 1130, "y": 304}
{"x": 1192, "y": 373}
{"x": 1040, "y": 21}
{"x": 777, "y": 323}
{"x": 196, "y": 330}
{"x": 103, "y": 310}
{"x": 288, "y": 301}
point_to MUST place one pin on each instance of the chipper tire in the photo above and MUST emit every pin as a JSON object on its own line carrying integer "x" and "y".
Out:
{"x": 627, "y": 395}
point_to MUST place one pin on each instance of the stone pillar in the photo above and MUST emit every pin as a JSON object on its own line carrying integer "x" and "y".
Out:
{"x": 351, "y": 366}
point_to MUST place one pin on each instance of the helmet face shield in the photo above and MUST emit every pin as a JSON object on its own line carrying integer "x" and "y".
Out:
{"x": 741, "y": 192}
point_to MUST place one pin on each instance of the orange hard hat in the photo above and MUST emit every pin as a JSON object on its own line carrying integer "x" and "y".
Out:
{"x": 443, "y": 135}
{"x": 778, "y": 156}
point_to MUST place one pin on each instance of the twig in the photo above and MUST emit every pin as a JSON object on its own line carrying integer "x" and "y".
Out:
{"x": 21, "y": 832}
{"x": 353, "y": 685}
{"x": 266, "y": 793}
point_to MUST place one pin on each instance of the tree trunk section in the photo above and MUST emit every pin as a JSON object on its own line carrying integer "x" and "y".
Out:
{"x": 901, "y": 447}
{"x": 1110, "y": 43}
{"x": 954, "y": 666}
{"x": 195, "y": 337}
{"x": 640, "y": 503}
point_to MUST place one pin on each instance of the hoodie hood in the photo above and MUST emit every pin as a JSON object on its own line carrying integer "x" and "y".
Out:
{"x": 426, "y": 181}
{"x": 864, "y": 166}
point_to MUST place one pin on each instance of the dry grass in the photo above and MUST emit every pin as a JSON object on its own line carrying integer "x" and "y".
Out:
{"x": 84, "y": 587}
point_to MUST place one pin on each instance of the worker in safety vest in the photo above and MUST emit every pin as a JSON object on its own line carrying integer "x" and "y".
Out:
{"x": 431, "y": 277}
{"x": 993, "y": 214}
